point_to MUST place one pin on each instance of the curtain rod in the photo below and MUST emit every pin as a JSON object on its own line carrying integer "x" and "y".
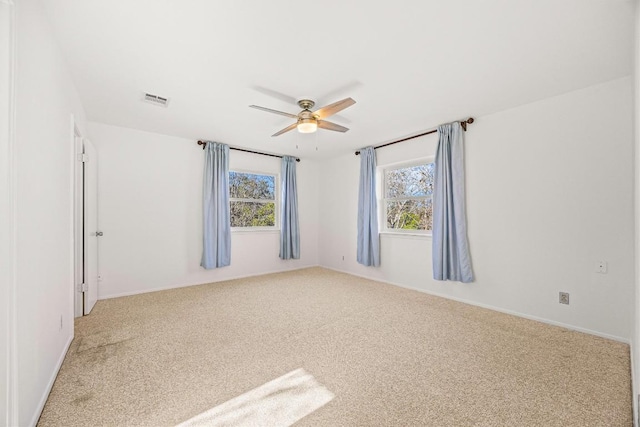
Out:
{"x": 462, "y": 123}
{"x": 203, "y": 143}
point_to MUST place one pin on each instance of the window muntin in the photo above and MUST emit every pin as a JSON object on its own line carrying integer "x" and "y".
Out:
{"x": 252, "y": 199}
{"x": 408, "y": 192}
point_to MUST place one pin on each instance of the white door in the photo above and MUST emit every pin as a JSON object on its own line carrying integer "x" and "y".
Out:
{"x": 91, "y": 232}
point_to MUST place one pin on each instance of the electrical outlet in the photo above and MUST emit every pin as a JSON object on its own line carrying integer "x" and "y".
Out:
{"x": 564, "y": 298}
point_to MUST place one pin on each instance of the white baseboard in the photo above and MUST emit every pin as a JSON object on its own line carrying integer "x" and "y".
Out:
{"x": 494, "y": 308}
{"x": 45, "y": 395}
{"x": 184, "y": 285}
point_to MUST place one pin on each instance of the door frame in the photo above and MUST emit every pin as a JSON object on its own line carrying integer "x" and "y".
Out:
{"x": 90, "y": 231}
{"x": 77, "y": 229}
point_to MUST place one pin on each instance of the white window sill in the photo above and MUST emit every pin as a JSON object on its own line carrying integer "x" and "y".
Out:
{"x": 406, "y": 235}
{"x": 249, "y": 230}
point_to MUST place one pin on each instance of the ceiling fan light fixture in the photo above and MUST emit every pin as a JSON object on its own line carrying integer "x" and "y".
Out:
{"x": 307, "y": 125}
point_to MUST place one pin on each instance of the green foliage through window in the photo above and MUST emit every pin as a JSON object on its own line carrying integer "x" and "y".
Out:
{"x": 408, "y": 194}
{"x": 252, "y": 199}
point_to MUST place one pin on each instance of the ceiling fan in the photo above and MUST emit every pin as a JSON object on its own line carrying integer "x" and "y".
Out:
{"x": 308, "y": 121}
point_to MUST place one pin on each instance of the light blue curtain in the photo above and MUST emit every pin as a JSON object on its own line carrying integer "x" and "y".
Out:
{"x": 368, "y": 239}
{"x": 217, "y": 226}
{"x": 451, "y": 258}
{"x": 289, "y": 229}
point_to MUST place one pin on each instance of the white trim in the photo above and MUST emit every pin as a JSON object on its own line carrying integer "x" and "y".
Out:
{"x": 249, "y": 230}
{"x": 406, "y": 234}
{"x": 75, "y": 218}
{"x": 47, "y": 390}
{"x": 198, "y": 283}
{"x": 10, "y": 346}
{"x": 494, "y": 308}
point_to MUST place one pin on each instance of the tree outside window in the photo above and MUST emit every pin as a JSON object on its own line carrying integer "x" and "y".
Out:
{"x": 408, "y": 197}
{"x": 252, "y": 198}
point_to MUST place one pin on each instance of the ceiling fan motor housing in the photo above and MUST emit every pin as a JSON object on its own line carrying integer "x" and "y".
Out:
{"x": 306, "y": 104}
{"x": 306, "y": 114}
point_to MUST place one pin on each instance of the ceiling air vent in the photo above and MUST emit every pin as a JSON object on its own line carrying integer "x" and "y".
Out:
{"x": 155, "y": 99}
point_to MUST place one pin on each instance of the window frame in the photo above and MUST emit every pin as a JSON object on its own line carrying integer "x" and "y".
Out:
{"x": 276, "y": 201}
{"x": 383, "y": 199}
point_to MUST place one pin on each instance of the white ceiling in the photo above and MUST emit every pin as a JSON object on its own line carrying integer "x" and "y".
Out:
{"x": 409, "y": 65}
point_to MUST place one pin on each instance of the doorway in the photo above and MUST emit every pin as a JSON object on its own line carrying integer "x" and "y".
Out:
{"x": 85, "y": 225}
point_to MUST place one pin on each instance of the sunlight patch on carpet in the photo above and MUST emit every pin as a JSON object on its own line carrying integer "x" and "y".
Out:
{"x": 280, "y": 402}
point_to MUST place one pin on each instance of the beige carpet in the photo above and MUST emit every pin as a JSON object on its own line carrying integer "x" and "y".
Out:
{"x": 389, "y": 356}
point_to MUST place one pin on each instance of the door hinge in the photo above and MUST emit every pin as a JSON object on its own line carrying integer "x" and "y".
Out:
{"x": 82, "y": 287}
{"x": 82, "y": 157}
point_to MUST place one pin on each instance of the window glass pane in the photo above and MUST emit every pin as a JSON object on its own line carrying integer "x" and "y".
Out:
{"x": 252, "y": 214}
{"x": 410, "y": 214}
{"x": 251, "y": 186}
{"x": 414, "y": 181}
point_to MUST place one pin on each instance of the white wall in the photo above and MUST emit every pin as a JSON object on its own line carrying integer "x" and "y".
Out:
{"x": 149, "y": 208}
{"x": 45, "y": 101}
{"x": 549, "y": 193}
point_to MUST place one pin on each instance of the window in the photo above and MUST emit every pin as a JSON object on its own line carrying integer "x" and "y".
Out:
{"x": 408, "y": 191}
{"x": 252, "y": 197}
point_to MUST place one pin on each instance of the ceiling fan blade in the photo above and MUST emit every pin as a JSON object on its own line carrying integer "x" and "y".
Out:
{"x": 269, "y": 110}
{"x": 275, "y": 94}
{"x": 331, "y": 109}
{"x": 287, "y": 129}
{"x": 323, "y": 124}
